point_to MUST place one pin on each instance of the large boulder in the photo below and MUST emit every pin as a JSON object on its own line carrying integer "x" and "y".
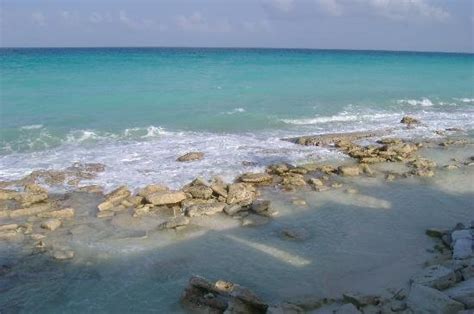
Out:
{"x": 191, "y": 156}
{"x": 199, "y": 191}
{"x": 463, "y": 242}
{"x": 166, "y": 198}
{"x": 241, "y": 193}
{"x": 436, "y": 276}
{"x": 152, "y": 188}
{"x": 424, "y": 299}
{"x": 463, "y": 292}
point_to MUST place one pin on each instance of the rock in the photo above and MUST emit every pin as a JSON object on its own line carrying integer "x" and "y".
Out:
{"x": 152, "y": 188}
{"x": 351, "y": 191}
{"x": 205, "y": 209}
{"x": 348, "y": 171}
{"x": 200, "y": 191}
{"x": 279, "y": 169}
{"x": 30, "y": 210}
{"x": 463, "y": 292}
{"x": 63, "y": 254}
{"x": 254, "y": 220}
{"x": 257, "y": 178}
{"x": 30, "y": 198}
{"x": 360, "y": 300}
{"x": 191, "y": 156}
{"x": 398, "y": 306}
{"x": 297, "y": 234}
{"x": 347, "y": 309}
{"x": 9, "y": 195}
{"x": 366, "y": 169}
{"x": 294, "y": 179}
{"x": 436, "y": 233}
{"x": 299, "y": 202}
{"x": 62, "y": 213}
{"x": 174, "y": 223}
{"x": 51, "y": 224}
{"x": 114, "y": 198}
{"x": 220, "y": 189}
{"x": 468, "y": 270}
{"x": 166, "y": 198}
{"x": 233, "y": 209}
{"x": 316, "y": 182}
{"x": 105, "y": 214}
{"x": 241, "y": 193}
{"x": 436, "y": 276}
{"x": 260, "y": 206}
{"x": 285, "y": 308}
{"x": 409, "y": 120}
{"x": 424, "y": 299}
{"x": 91, "y": 189}
{"x": 462, "y": 244}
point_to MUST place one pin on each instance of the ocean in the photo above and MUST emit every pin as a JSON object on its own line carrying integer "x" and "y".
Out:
{"x": 137, "y": 109}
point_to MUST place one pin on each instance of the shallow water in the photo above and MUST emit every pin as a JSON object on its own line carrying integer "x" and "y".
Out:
{"x": 367, "y": 242}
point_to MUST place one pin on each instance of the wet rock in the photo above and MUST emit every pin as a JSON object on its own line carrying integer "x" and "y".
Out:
{"x": 166, "y": 198}
{"x": 436, "y": 276}
{"x": 351, "y": 191}
{"x": 91, "y": 189}
{"x": 254, "y": 220}
{"x": 233, "y": 209}
{"x": 174, "y": 223}
{"x": 205, "y": 209}
{"x": 9, "y": 195}
{"x": 62, "y": 213}
{"x": 285, "y": 308}
{"x": 360, "y": 300}
{"x": 279, "y": 169}
{"x": 203, "y": 295}
{"x": 436, "y": 233}
{"x": 296, "y": 234}
{"x": 424, "y": 299}
{"x": 191, "y": 156}
{"x": 347, "y": 309}
{"x": 152, "y": 188}
{"x": 462, "y": 243}
{"x": 348, "y": 171}
{"x": 241, "y": 193}
{"x": 299, "y": 202}
{"x": 219, "y": 189}
{"x": 260, "y": 206}
{"x": 409, "y": 120}
{"x": 105, "y": 214}
{"x": 63, "y": 254}
{"x": 51, "y": 224}
{"x": 257, "y": 178}
{"x": 329, "y": 139}
{"x": 463, "y": 292}
{"x": 365, "y": 168}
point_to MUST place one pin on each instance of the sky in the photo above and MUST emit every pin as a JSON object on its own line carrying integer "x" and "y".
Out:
{"x": 414, "y": 25}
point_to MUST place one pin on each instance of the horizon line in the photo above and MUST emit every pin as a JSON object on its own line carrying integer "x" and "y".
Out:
{"x": 231, "y": 47}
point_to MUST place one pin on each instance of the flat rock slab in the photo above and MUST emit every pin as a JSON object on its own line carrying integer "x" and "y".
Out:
{"x": 166, "y": 198}
{"x": 205, "y": 209}
{"x": 424, "y": 299}
{"x": 331, "y": 138}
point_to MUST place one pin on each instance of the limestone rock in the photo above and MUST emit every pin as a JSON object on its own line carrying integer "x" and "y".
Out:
{"x": 36, "y": 209}
{"x": 257, "y": 178}
{"x": 254, "y": 220}
{"x": 424, "y": 299}
{"x": 114, "y": 198}
{"x": 233, "y": 209}
{"x": 316, "y": 182}
{"x": 166, "y": 198}
{"x": 174, "y": 222}
{"x": 191, "y": 156}
{"x": 205, "y": 209}
{"x": 409, "y": 120}
{"x": 349, "y": 171}
{"x": 199, "y": 191}
{"x": 51, "y": 224}
{"x": 152, "y": 188}
{"x": 241, "y": 193}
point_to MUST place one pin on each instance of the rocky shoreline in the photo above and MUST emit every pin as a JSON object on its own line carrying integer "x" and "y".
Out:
{"x": 29, "y": 213}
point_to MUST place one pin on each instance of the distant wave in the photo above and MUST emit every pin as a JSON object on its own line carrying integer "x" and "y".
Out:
{"x": 466, "y": 100}
{"x": 424, "y": 102}
{"x": 32, "y": 127}
{"x": 343, "y": 117}
{"x": 236, "y": 110}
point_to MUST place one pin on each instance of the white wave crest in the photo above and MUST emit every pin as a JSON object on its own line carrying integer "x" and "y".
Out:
{"x": 236, "y": 110}
{"x": 466, "y": 100}
{"x": 343, "y": 117}
{"x": 424, "y": 102}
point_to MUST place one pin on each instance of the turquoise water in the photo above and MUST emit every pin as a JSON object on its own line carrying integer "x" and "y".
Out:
{"x": 87, "y": 104}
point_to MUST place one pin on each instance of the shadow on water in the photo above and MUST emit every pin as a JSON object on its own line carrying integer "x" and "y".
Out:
{"x": 346, "y": 246}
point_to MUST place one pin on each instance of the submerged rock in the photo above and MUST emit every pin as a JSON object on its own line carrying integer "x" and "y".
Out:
{"x": 152, "y": 188}
{"x": 463, "y": 292}
{"x": 63, "y": 254}
{"x": 436, "y": 276}
{"x": 257, "y": 178}
{"x": 409, "y": 120}
{"x": 114, "y": 198}
{"x": 349, "y": 171}
{"x": 51, "y": 224}
{"x": 191, "y": 156}
{"x": 174, "y": 222}
{"x": 62, "y": 213}
{"x": 241, "y": 193}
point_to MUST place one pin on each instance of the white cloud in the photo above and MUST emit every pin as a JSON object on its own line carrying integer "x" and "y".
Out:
{"x": 38, "y": 18}
{"x": 258, "y": 26}
{"x": 282, "y": 5}
{"x": 139, "y": 24}
{"x": 197, "y": 22}
{"x": 331, "y": 7}
{"x": 403, "y": 9}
